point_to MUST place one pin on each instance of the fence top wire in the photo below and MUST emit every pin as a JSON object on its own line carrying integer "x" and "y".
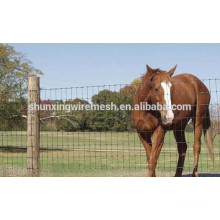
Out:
{"x": 87, "y": 91}
{"x": 118, "y": 85}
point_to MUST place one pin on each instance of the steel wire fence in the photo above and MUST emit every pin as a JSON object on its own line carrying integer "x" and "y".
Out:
{"x": 80, "y": 142}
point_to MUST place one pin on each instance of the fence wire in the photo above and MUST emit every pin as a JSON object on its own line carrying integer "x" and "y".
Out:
{"x": 94, "y": 143}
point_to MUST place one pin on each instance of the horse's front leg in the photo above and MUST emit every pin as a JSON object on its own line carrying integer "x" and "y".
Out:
{"x": 145, "y": 138}
{"x": 157, "y": 143}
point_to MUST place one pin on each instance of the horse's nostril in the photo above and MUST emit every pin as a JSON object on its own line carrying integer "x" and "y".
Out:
{"x": 164, "y": 118}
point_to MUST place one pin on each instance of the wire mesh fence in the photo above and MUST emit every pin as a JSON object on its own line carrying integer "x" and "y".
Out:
{"x": 75, "y": 141}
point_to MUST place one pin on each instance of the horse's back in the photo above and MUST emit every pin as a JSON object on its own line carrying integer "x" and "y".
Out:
{"x": 185, "y": 77}
{"x": 191, "y": 82}
{"x": 189, "y": 79}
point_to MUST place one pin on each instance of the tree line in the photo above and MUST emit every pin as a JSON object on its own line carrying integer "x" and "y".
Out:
{"x": 94, "y": 120}
{"x": 14, "y": 113}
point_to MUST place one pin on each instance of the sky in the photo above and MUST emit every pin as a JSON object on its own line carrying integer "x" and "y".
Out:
{"x": 70, "y": 65}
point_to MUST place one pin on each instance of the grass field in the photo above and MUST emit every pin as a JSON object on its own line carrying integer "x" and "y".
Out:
{"x": 97, "y": 154}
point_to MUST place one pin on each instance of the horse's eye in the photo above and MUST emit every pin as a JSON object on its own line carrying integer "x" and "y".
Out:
{"x": 156, "y": 89}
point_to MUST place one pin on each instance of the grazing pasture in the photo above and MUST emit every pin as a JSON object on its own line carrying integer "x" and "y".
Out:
{"x": 98, "y": 154}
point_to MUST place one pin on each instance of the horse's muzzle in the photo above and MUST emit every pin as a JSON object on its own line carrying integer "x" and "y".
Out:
{"x": 167, "y": 121}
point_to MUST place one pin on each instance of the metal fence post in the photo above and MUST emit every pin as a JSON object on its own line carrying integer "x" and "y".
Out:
{"x": 33, "y": 127}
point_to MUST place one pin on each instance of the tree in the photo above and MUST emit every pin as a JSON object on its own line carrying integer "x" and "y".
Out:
{"x": 116, "y": 120}
{"x": 136, "y": 83}
{"x": 71, "y": 120}
{"x": 14, "y": 70}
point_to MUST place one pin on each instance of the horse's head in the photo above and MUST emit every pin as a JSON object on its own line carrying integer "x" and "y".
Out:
{"x": 160, "y": 89}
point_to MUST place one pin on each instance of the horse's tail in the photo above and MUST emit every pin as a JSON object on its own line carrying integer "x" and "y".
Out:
{"x": 207, "y": 129}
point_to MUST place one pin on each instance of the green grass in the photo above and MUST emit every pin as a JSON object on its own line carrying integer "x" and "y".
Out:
{"x": 97, "y": 154}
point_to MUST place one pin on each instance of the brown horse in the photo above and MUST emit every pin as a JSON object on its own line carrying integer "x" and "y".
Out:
{"x": 192, "y": 98}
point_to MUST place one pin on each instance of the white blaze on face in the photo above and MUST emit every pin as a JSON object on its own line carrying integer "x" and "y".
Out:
{"x": 167, "y": 97}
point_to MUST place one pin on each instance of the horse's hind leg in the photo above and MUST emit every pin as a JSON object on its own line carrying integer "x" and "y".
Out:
{"x": 198, "y": 128}
{"x": 145, "y": 138}
{"x": 182, "y": 148}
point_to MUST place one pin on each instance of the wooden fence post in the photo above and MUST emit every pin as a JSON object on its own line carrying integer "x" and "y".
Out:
{"x": 33, "y": 127}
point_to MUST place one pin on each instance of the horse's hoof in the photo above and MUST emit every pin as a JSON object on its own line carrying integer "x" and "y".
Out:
{"x": 195, "y": 174}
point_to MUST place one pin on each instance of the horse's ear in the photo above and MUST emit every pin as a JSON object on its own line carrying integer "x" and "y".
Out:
{"x": 171, "y": 72}
{"x": 149, "y": 70}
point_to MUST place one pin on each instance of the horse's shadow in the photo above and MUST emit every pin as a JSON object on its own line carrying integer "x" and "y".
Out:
{"x": 204, "y": 175}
